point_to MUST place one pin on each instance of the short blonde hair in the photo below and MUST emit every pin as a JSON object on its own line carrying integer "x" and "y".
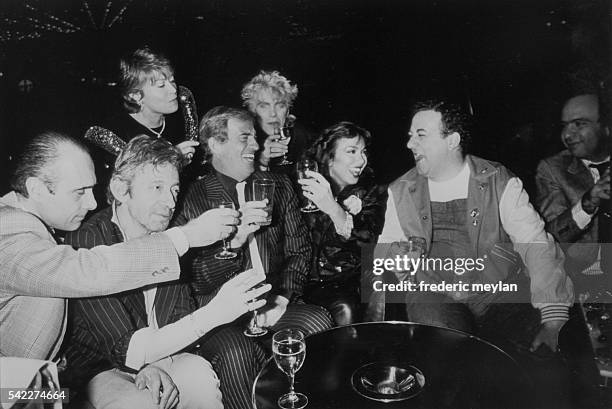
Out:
{"x": 271, "y": 80}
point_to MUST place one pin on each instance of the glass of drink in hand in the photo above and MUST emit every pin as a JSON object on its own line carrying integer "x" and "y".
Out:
{"x": 302, "y": 166}
{"x": 264, "y": 189}
{"x": 285, "y": 134}
{"x": 415, "y": 248}
{"x": 253, "y": 329}
{"x": 289, "y": 351}
{"x": 226, "y": 253}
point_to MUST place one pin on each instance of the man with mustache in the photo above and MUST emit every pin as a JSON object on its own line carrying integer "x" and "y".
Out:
{"x": 281, "y": 249}
{"x": 123, "y": 344}
{"x": 573, "y": 187}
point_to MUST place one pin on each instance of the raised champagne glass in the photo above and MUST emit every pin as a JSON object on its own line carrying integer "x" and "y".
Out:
{"x": 226, "y": 253}
{"x": 286, "y": 132}
{"x": 302, "y": 166}
{"x": 416, "y": 247}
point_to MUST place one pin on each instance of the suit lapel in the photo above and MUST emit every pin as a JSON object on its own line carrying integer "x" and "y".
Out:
{"x": 165, "y": 300}
{"x": 215, "y": 193}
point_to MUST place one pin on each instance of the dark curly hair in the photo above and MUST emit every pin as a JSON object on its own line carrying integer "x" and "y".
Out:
{"x": 454, "y": 119}
{"x": 324, "y": 147}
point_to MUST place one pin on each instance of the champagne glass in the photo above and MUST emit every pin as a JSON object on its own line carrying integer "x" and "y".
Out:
{"x": 253, "y": 329}
{"x": 264, "y": 189}
{"x": 415, "y": 248}
{"x": 302, "y": 166}
{"x": 226, "y": 253}
{"x": 289, "y": 350}
{"x": 285, "y": 133}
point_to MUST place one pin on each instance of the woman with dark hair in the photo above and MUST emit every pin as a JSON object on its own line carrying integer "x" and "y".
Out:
{"x": 352, "y": 209}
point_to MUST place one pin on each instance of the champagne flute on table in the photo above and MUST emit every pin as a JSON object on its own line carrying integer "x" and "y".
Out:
{"x": 285, "y": 133}
{"x": 226, "y": 253}
{"x": 289, "y": 351}
{"x": 302, "y": 166}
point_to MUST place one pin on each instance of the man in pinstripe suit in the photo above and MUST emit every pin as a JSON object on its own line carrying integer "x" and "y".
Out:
{"x": 283, "y": 249}
{"x": 126, "y": 343}
{"x": 52, "y": 183}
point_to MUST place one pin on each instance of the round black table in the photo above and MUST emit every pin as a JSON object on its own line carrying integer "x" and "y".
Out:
{"x": 461, "y": 370}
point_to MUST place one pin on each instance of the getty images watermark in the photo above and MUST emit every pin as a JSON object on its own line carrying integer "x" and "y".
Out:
{"x": 407, "y": 266}
{"x": 398, "y": 271}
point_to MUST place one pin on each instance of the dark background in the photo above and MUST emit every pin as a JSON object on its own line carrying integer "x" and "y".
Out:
{"x": 512, "y": 61}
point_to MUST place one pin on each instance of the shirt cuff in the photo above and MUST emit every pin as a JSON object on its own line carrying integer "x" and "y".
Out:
{"x": 135, "y": 356}
{"x": 346, "y": 229}
{"x": 179, "y": 239}
{"x": 581, "y": 217}
{"x": 554, "y": 312}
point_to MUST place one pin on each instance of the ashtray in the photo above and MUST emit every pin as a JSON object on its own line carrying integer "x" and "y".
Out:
{"x": 384, "y": 382}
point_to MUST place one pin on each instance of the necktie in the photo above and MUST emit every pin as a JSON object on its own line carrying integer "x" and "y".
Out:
{"x": 603, "y": 222}
{"x": 253, "y": 250}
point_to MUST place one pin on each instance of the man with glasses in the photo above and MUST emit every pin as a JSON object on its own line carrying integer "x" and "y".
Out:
{"x": 573, "y": 186}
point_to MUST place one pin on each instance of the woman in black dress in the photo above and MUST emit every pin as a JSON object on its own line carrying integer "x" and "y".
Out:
{"x": 352, "y": 209}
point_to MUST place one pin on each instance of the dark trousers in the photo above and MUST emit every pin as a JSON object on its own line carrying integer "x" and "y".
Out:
{"x": 340, "y": 298}
{"x": 510, "y": 326}
{"x": 237, "y": 358}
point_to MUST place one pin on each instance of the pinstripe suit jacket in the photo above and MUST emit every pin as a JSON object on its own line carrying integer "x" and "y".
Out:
{"x": 36, "y": 275}
{"x": 284, "y": 246}
{"x": 101, "y": 327}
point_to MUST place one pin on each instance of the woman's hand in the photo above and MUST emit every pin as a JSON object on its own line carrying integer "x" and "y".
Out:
{"x": 273, "y": 148}
{"x": 317, "y": 189}
{"x": 187, "y": 148}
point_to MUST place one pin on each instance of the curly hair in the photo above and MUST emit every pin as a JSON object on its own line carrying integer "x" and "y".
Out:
{"x": 214, "y": 125}
{"x": 141, "y": 151}
{"x": 454, "y": 119}
{"x": 140, "y": 66}
{"x": 324, "y": 147}
{"x": 271, "y": 80}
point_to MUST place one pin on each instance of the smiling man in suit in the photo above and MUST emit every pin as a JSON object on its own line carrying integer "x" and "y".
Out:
{"x": 573, "y": 186}
{"x": 281, "y": 249}
{"x": 133, "y": 347}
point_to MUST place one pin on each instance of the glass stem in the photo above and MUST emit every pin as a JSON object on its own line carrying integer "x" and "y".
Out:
{"x": 291, "y": 382}
{"x": 255, "y": 326}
